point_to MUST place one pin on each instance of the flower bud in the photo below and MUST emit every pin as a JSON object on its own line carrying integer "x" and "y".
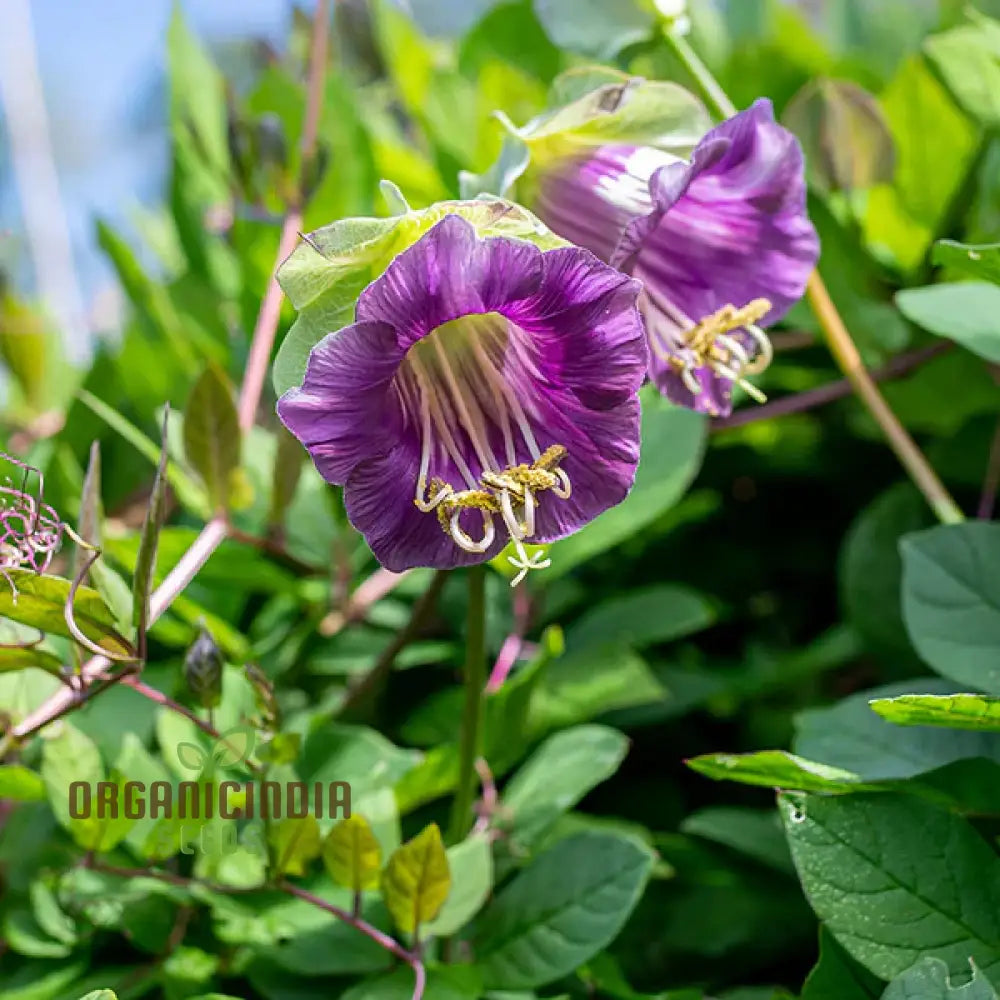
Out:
{"x": 203, "y": 665}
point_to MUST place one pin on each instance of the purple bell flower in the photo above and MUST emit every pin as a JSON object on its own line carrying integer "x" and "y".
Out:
{"x": 721, "y": 243}
{"x": 485, "y": 394}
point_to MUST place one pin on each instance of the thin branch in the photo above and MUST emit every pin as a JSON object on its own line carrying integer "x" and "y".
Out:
{"x": 991, "y": 482}
{"x": 270, "y": 308}
{"x": 359, "y": 698}
{"x": 829, "y": 393}
{"x": 381, "y": 583}
{"x": 276, "y": 551}
{"x": 845, "y": 353}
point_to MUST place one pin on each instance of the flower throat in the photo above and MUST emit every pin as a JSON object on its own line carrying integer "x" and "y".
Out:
{"x": 454, "y": 380}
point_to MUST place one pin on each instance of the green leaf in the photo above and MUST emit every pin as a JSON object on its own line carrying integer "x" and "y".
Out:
{"x": 928, "y": 979}
{"x": 778, "y": 769}
{"x": 72, "y": 771}
{"x": 295, "y": 841}
{"x": 895, "y": 879}
{"x": 188, "y": 491}
{"x": 212, "y": 435}
{"x": 558, "y": 775}
{"x": 968, "y": 59}
{"x": 471, "y": 866}
{"x": 24, "y": 347}
{"x": 851, "y": 736}
{"x": 836, "y": 976}
{"x": 594, "y": 27}
{"x": 352, "y": 854}
{"x": 197, "y": 96}
{"x": 673, "y": 442}
{"x": 20, "y": 784}
{"x": 417, "y": 880}
{"x": 951, "y": 601}
{"x": 967, "y": 312}
{"x": 589, "y": 683}
{"x": 753, "y": 832}
{"x": 40, "y": 603}
{"x": 100, "y": 995}
{"x": 905, "y": 217}
{"x": 145, "y": 562}
{"x": 89, "y": 523}
{"x": 562, "y": 909}
{"x": 980, "y": 261}
{"x": 975, "y": 712}
{"x": 288, "y": 459}
{"x": 871, "y": 567}
{"x": 14, "y": 658}
{"x": 645, "y": 617}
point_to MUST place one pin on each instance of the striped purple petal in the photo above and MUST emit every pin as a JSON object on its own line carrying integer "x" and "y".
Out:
{"x": 727, "y": 229}
{"x": 486, "y": 393}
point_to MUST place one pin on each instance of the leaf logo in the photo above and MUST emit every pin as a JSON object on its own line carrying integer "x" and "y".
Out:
{"x": 231, "y": 748}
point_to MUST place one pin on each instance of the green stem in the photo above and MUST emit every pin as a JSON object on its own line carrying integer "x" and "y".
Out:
{"x": 716, "y": 98}
{"x": 475, "y": 682}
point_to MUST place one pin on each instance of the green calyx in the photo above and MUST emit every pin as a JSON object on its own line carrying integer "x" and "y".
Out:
{"x": 590, "y": 107}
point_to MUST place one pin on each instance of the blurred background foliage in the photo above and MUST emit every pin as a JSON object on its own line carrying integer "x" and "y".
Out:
{"x": 746, "y": 597}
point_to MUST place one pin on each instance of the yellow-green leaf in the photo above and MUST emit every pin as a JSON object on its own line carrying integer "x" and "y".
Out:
{"x": 41, "y": 601}
{"x": 296, "y": 842}
{"x": 417, "y": 879}
{"x": 352, "y": 854}
{"x": 19, "y": 659}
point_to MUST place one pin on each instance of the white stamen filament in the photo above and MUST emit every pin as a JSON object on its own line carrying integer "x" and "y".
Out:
{"x": 459, "y": 386}
{"x": 471, "y": 425}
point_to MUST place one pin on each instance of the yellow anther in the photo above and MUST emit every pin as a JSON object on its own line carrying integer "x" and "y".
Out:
{"x": 701, "y": 337}
{"x": 466, "y": 500}
{"x": 550, "y": 458}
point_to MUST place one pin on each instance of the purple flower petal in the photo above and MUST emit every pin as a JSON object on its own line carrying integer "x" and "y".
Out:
{"x": 727, "y": 228}
{"x": 470, "y": 359}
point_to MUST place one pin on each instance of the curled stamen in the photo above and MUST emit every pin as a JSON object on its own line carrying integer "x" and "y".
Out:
{"x": 735, "y": 348}
{"x": 565, "y": 488}
{"x": 765, "y": 351}
{"x": 441, "y": 492}
{"x": 514, "y": 527}
{"x": 690, "y": 380}
{"x": 713, "y": 347}
{"x": 463, "y": 541}
{"x": 510, "y": 493}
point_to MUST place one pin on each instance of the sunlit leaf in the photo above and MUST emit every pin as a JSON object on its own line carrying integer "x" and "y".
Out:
{"x": 981, "y": 261}
{"x": 352, "y": 854}
{"x": 40, "y": 603}
{"x": 417, "y": 880}
{"x": 976, "y": 712}
{"x": 20, "y": 784}
{"x": 295, "y": 841}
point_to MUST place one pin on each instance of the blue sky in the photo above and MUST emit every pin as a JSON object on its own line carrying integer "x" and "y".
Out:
{"x": 102, "y": 64}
